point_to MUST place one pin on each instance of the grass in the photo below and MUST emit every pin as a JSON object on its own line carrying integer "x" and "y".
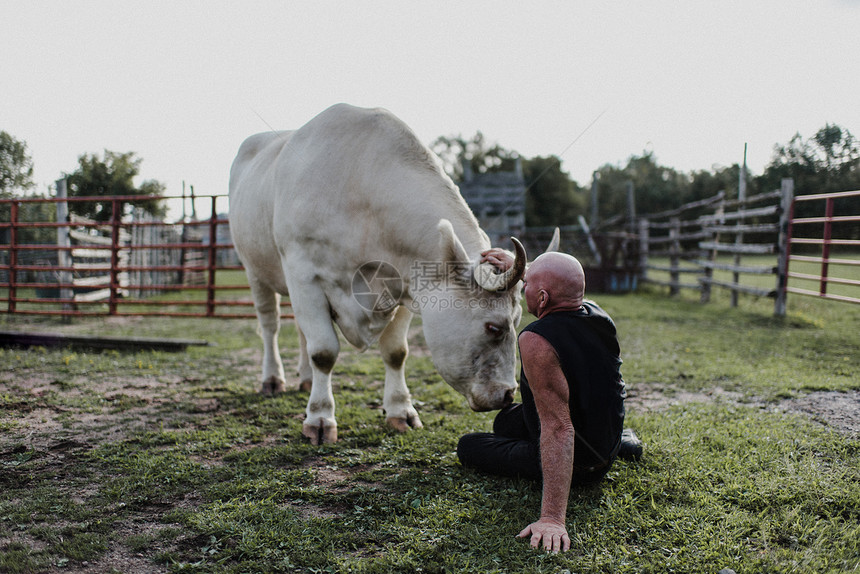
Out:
{"x": 173, "y": 462}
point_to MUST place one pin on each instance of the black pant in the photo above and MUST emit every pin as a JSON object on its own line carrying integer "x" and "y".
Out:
{"x": 511, "y": 450}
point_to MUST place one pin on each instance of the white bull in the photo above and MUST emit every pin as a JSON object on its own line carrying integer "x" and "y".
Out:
{"x": 354, "y": 218}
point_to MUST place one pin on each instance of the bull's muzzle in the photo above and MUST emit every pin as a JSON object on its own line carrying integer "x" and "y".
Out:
{"x": 493, "y": 401}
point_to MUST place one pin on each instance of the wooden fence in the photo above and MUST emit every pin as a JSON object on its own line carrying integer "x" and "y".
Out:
{"x": 87, "y": 246}
{"x": 697, "y": 237}
{"x": 698, "y": 246}
{"x": 90, "y": 252}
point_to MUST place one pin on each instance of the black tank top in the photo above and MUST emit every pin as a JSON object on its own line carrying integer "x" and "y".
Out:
{"x": 587, "y": 347}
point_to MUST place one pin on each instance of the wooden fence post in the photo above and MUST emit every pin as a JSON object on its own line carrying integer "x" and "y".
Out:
{"x": 595, "y": 252}
{"x": 211, "y": 260}
{"x": 141, "y": 235}
{"x": 643, "y": 249}
{"x": 13, "y": 256}
{"x": 674, "y": 255}
{"x": 115, "y": 220}
{"x": 739, "y": 241}
{"x": 784, "y": 246}
{"x": 64, "y": 244}
{"x": 739, "y": 236}
{"x": 631, "y": 208}
{"x": 712, "y": 255}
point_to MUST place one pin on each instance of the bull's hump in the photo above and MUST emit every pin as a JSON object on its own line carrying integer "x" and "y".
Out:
{"x": 347, "y": 121}
{"x": 347, "y": 110}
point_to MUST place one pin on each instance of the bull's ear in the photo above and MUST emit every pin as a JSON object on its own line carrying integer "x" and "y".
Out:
{"x": 451, "y": 249}
{"x": 456, "y": 264}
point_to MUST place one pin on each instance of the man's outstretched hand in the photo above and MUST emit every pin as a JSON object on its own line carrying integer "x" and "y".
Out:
{"x": 548, "y": 533}
{"x": 498, "y": 258}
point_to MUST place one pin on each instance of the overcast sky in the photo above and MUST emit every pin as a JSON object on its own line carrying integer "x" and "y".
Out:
{"x": 183, "y": 83}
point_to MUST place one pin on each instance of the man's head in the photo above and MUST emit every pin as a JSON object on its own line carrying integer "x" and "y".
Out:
{"x": 554, "y": 282}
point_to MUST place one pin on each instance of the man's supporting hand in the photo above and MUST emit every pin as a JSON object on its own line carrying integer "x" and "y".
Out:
{"x": 549, "y": 532}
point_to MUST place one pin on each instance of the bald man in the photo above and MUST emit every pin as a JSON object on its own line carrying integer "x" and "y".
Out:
{"x": 568, "y": 429}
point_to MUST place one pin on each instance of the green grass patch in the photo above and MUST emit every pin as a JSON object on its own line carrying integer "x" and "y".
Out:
{"x": 174, "y": 461}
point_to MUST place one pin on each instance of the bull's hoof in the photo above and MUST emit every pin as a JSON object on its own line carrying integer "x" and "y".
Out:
{"x": 273, "y": 386}
{"x": 403, "y": 424}
{"x": 320, "y": 433}
{"x": 305, "y": 386}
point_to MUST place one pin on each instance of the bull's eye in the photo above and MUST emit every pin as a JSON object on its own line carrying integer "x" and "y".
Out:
{"x": 493, "y": 330}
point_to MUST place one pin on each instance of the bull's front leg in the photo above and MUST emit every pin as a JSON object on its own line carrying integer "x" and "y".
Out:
{"x": 313, "y": 317}
{"x": 322, "y": 346}
{"x": 320, "y": 425}
{"x": 397, "y": 401}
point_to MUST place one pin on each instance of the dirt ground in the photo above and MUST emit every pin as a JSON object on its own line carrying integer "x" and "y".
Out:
{"x": 840, "y": 411}
{"x": 833, "y": 409}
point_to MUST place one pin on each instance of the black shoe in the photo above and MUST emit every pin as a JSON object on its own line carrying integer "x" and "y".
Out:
{"x": 631, "y": 446}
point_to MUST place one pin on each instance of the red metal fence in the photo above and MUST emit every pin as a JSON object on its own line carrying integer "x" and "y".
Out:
{"x": 832, "y": 268}
{"x": 42, "y": 277}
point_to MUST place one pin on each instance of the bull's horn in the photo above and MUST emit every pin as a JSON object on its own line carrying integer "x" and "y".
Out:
{"x": 489, "y": 278}
{"x": 555, "y": 241}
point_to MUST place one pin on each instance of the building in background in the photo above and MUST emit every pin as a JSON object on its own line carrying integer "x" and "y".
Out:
{"x": 498, "y": 200}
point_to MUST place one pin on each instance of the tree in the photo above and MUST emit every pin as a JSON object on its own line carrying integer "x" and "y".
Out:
{"x": 705, "y": 184}
{"x": 828, "y": 161}
{"x": 16, "y": 175}
{"x": 483, "y": 158}
{"x": 552, "y": 198}
{"x": 16, "y": 166}
{"x": 655, "y": 187}
{"x": 112, "y": 176}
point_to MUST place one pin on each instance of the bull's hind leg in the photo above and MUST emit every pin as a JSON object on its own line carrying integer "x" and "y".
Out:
{"x": 397, "y": 401}
{"x": 267, "y": 306}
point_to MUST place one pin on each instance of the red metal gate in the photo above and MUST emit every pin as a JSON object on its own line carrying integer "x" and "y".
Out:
{"x": 220, "y": 288}
{"x": 826, "y": 241}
